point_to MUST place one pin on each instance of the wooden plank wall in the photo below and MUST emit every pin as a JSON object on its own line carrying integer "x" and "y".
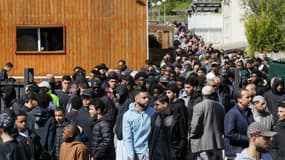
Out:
{"x": 97, "y": 31}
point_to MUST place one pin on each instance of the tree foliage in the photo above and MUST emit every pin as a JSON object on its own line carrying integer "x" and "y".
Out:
{"x": 265, "y": 29}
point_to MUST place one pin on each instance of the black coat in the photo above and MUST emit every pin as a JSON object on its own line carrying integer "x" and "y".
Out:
{"x": 278, "y": 149}
{"x": 32, "y": 145}
{"x": 168, "y": 137}
{"x": 194, "y": 99}
{"x": 13, "y": 150}
{"x": 103, "y": 141}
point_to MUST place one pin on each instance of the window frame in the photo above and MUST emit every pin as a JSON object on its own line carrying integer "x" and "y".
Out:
{"x": 38, "y": 27}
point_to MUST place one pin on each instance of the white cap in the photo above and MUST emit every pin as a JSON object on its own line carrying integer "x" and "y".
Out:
{"x": 44, "y": 84}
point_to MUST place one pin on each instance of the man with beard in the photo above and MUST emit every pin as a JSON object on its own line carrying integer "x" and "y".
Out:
{"x": 137, "y": 126}
{"x": 278, "y": 149}
{"x": 259, "y": 112}
{"x": 191, "y": 96}
{"x": 259, "y": 143}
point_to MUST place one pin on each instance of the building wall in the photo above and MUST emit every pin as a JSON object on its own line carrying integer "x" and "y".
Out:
{"x": 97, "y": 31}
{"x": 233, "y": 29}
{"x": 208, "y": 25}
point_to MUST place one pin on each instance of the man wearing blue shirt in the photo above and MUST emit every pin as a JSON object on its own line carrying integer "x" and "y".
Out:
{"x": 137, "y": 126}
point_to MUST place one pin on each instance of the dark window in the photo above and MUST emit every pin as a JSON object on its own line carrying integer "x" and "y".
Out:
{"x": 40, "y": 39}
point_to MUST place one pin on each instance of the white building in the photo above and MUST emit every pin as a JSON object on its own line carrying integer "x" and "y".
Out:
{"x": 219, "y": 22}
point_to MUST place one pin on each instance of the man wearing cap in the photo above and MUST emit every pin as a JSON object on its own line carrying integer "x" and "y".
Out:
{"x": 259, "y": 112}
{"x": 10, "y": 149}
{"x": 83, "y": 116}
{"x": 259, "y": 143}
{"x": 46, "y": 88}
{"x": 207, "y": 127}
{"x": 278, "y": 149}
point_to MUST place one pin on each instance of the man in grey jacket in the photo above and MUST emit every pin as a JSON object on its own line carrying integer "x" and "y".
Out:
{"x": 259, "y": 112}
{"x": 207, "y": 127}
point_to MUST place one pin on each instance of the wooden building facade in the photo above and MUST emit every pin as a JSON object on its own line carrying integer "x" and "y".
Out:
{"x": 54, "y": 36}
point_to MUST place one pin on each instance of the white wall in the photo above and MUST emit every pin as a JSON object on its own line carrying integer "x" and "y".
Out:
{"x": 208, "y": 25}
{"x": 233, "y": 25}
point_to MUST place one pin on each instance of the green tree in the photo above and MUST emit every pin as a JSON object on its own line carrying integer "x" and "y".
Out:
{"x": 265, "y": 29}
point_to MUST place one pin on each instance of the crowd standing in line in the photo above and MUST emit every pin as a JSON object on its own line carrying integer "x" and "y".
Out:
{"x": 199, "y": 103}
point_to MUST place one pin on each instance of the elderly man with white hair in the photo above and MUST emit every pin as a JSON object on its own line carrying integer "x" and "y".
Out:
{"x": 207, "y": 127}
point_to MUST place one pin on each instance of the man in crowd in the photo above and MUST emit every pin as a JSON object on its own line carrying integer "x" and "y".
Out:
{"x": 10, "y": 148}
{"x": 278, "y": 150}
{"x": 137, "y": 126}
{"x": 207, "y": 127}
{"x": 71, "y": 148}
{"x": 259, "y": 143}
{"x": 236, "y": 122}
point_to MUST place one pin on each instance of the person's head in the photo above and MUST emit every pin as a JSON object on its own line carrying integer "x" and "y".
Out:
{"x": 6, "y": 124}
{"x": 8, "y": 66}
{"x": 239, "y": 64}
{"x": 255, "y": 76}
{"x": 43, "y": 100}
{"x": 122, "y": 65}
{"x": 278, "y": 85}
{"x": 150, "y": 70}
{"x": 65, "y": 83}
{"x": 249, "y": 63}
{"x": 215, "y": 67}
{"x": 259, "y": 104}
{"x": 156, "y": 90}
{"x": 31, "y": 87}
{"x": 44, "y": 86}
{"x": 30, "y": 100}
{"x": 180, "y": 81}
{"x": 281, "y": 111}
{"x": 172, "y": 92}
{"x": 82, "y": 87}
{"x": 140, "y": 79}
{"x": 161, "y": 103}
{"x": 21, "y": 121}
{"x": 209, "y": 92}
{"x": 191, "y": 85}
{"x": 251, "y": 89}
{"x": 59, "y": 114}
{"x": 87, "y": 96}
{"x": 260, "y": 137}
{"x": 76, "y": 102}
{"x": 112, "y": 80}
{"x": 201, "y": 72}
{"x": 70, "y": 132}
{"x": 141, "y": 99}
{"x": 96, "y": 108}
{"x": 243, "y": 98}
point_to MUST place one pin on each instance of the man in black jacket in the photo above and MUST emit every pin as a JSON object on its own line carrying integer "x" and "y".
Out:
{"x": 10, "y": 148}
{"x": 41, "y": 121}
{"x": 168, "y": 137}
{"x": 278, "y": 150}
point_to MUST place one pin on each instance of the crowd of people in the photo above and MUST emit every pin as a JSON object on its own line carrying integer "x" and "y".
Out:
{"x": 199, "y": 103}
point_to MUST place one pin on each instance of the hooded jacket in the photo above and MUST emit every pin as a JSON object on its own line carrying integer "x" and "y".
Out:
{"x": 273, "y": 97}
{"x": 43, "y": 124}
{"x": 73, "y": 151}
